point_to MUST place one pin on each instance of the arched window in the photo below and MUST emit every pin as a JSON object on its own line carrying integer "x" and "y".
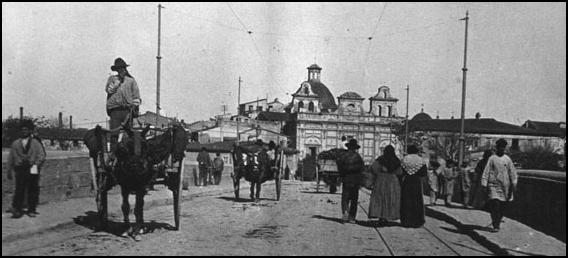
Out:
{"x": 300, "y": 104}
{"x": 380, "y": 110}
{"x": 306, "y": 90}
{"x": 311, "y": 107}
{"x": 385, "y": 94}
{"x": 390, "y": 111}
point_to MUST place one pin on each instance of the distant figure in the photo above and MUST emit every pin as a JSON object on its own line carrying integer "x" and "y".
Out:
{"x": 204, "y": 162}
{"x": 350, "y": 166}
{"x": 433, "y": 173}
{"x": 288, "y": 174}
{"x": 412, "y": 203}
{"x": 466, "y": 176}
{"x": 450, "y": 173}
{"x": 123, "y": 96}
{"x": 25, "y": 160}
{"x": 385, "y": 196}
{"x": 218, "y": 165}
{"x": 500, "y": 178}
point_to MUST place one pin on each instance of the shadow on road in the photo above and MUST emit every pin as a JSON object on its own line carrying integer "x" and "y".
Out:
{"x": 233, "y": 199}
{"x": 338, "y": 220}
{"x": 314, "y": 192}
{"x": 91, "y": 221}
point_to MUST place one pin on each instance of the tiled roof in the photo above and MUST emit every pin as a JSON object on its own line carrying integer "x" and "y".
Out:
{"x": 483, "y": 126}
{"x": 274, "y": 116}
{"x": 325, "y": 97}
{"x": 350, "y": 95}
{"x": 547, "y": 127}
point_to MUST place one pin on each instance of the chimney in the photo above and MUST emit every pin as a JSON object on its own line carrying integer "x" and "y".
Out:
{"x": 70, "y": 122}
{"x": 21, "y": 113}
{"x": 60, "y": 119}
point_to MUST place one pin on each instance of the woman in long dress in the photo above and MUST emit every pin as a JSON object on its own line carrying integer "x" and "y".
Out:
{"x": 412, "y": 204}
{"x": 385, "y": 197}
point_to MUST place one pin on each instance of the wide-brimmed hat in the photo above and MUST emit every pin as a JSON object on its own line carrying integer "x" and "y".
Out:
{"x": 118, "y": 63}
{"x": 352, "y": 144}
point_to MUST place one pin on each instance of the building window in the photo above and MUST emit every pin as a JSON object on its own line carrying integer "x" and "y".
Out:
{"x": 385, "y": 94}
{"x": 251, "y": 108}
{"x": 269, "y": 108}
{"x": 306, "y": 91}
{"x": 259, "y": 108}
{"x": 311, "y": 107}
{"x": 300, "y": 104}
{"x": 380, "y": 110}
{"x": 390, "y": 111}
{"x": 368, "y": 147}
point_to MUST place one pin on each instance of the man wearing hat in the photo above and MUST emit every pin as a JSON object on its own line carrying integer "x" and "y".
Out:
{"x": 500, "y": 178}
{"x": 350, "y": 166}
{"x": 25, "y": 159}
{"x": 123, "y": 96}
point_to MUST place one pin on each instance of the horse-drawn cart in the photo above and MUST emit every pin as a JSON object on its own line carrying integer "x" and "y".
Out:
{"x": 160, "y": 160}
{"x": 253, "y": 163}
{"x": 327, "y": 169}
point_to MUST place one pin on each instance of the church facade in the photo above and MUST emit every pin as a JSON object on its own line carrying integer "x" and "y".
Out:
{"x": 321, "y": 123}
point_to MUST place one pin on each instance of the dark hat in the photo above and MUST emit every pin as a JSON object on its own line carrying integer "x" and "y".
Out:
{"x": 352, "y": 144}
{"x": 118, "y": 63}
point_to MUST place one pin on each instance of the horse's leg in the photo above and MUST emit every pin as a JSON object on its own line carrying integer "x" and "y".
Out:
{"x": 139, "y": 212}
{"x": 125, "y": 208}
{"x": 252, "y": 191}
{"x": 258, "y": 185}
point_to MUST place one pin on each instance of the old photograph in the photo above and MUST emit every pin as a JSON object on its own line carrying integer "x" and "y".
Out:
{"x": 283, "y": 128}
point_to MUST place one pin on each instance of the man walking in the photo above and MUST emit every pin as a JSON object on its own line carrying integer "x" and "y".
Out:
{"x": 350, "y": 166}
{"x": 218, "y": 165}
{"x": 25, "y": 159}
{"x": 204, "y": 162}
{"x": 500, "y": 178}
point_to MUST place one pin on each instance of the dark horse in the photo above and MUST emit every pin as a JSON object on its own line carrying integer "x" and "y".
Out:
{"x": 253, "y": 163}
{"x": 139, "y": 162}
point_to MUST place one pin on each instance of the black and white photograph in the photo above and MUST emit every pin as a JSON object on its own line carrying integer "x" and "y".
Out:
{"x": 283, "y": 128}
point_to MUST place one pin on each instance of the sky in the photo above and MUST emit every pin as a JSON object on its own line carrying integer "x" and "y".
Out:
{"x": 56, "y": 57}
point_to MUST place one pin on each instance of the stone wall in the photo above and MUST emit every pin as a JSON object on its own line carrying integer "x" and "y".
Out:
{"x": 539, "y": 202}
{"x": 62, "y": 178}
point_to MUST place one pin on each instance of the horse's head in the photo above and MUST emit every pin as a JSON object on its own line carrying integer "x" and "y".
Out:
{"x": 132, "y": 149}
{"x": 95, "y": 139}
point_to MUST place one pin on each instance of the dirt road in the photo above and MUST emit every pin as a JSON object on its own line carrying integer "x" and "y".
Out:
{"x": 301, "y": 223}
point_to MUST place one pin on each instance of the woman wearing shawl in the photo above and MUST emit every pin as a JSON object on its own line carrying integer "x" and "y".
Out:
{"x": 412, "y": 204}
{"x": 385, "y": 197}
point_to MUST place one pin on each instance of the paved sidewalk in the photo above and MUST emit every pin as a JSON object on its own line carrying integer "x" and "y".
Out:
{"x": 61, "y": 214}
{"x": 514, "y": 238}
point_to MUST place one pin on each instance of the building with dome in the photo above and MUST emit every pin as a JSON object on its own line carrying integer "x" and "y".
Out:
{"x": 321, "y": 122}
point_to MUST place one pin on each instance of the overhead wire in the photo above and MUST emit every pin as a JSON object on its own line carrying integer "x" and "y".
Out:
{"x": 369, "y": 44}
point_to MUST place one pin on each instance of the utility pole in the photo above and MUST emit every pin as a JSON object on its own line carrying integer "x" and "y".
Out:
{"x": 158, "y": 59}
{"x": 406, "y": 124}
{"x": 239, "y": 111}
{"x": 464, "y": 69}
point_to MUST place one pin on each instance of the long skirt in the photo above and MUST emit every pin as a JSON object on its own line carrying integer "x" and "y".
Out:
{"x": 412, "y": 205}
{"x": 385, "y": 197}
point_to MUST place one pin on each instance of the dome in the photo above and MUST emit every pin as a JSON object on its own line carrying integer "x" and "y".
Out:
{"x": 324, "y": 95}
{"x": 421, "y": 117}
{"x": 350, "y": 95}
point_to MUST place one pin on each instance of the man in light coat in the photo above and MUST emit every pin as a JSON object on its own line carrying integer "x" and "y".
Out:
{"x": 500, "y": 179}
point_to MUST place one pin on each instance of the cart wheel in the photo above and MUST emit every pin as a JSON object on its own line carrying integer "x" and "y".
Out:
{"x": 177, "y": 191}
{"x": 318, "y": 185}
{"x": 102, "y": 199}
{"x": 278, "y": 187}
